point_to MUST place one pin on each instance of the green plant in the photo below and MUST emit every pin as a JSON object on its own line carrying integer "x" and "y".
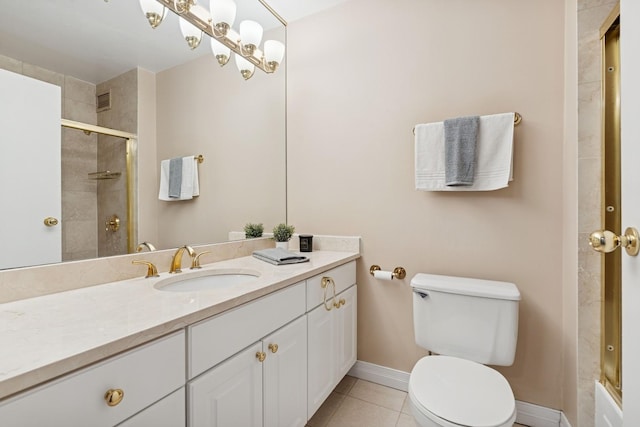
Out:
{"x": 283, "y": 232}
{"x": 253, "y": 230}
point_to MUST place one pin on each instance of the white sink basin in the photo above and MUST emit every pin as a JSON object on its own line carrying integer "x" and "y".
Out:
{"x": 206, "y": 280}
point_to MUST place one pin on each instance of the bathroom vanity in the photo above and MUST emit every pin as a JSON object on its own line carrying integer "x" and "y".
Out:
{"x": 264, "y": 353}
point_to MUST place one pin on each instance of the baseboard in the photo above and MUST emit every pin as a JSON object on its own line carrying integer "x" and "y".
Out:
{"x": 528, "y": 414}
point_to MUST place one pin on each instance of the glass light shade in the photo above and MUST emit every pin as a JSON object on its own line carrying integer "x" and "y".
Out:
{"x": 223, "y": 11}
{"x": 188, "y": 30}
{"x": 151, "y": 6}
{"x": 273, "y": 51}
{"x": 250, "y": 33}
{"x": 245, "y": 67}
{"x": 220, "y": 51}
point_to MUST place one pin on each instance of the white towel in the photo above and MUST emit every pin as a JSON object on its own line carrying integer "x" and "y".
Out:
{"x": 190, "y": 187}
{"x": 494, "y": 167}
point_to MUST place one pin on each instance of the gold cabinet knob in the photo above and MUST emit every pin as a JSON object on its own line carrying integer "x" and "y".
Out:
{"x": 606, "y": 241}
{"x": 113, "y": 396}
{"x": 261, "y": 355}
{"x": 50, "y": 221}
{"x": 342, "y": 301}
{"x": 273, "y": 348}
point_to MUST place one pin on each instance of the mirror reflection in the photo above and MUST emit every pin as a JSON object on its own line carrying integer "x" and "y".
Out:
{"x": 116, "y": 72}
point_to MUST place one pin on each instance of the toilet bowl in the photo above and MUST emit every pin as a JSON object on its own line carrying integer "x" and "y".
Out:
{"x": 447, "y": 391}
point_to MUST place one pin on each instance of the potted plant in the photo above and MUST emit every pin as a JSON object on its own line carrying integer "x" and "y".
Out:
{"x": 252, "y": 231}
{"x": 282, "y": 233}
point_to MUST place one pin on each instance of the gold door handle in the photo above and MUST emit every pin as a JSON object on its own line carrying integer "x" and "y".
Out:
{"x": 261, "y": 355}
{"x": 606, "y": 241}
{"x": 273, "y": 348}
{"x": 113, "y": 396}
{"x": 50, "y": 221}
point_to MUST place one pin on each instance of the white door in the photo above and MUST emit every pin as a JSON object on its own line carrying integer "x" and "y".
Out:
{"x": 630, "y": 152}
{"x": 229, "y": 395}
{"x": 29, "y": 171}
{"x": 285, "y": 376}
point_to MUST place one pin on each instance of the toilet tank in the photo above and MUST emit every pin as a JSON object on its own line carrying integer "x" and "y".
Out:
{"x": 472, "y": 319}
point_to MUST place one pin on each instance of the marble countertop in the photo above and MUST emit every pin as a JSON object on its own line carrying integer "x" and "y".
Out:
{"x": 44, "y": 337}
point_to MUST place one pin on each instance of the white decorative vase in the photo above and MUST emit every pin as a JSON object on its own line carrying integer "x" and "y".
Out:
{"x": 283, "y": 245}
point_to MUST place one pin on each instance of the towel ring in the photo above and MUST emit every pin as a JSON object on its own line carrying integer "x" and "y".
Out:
{"x": 517, "y": 119}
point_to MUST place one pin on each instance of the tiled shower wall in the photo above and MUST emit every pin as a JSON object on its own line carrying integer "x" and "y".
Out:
{"x": 591, "y": 14}
{"x": 112, "y": 193}
{"x": 79, "y": 239}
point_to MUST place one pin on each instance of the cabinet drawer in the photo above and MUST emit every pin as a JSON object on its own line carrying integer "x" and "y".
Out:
{"x": 145, "y": 374}
{"x": 214, "y": 340}
{"x": 169, "y": 412}
{"x": 343, "y": 276}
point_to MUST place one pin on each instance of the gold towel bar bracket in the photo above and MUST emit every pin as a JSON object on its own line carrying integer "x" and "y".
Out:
{"x": 200, "y": 158}
{"x": 517, "y": 119}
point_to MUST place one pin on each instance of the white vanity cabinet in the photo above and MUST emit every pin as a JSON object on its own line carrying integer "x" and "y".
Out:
{"x": 332, "y": 336}
{"x": 262, "y": 385}
{"x": 131, "y": 382}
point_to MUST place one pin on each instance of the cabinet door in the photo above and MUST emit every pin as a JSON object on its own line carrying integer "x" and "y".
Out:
{"x": 229, "y": 395}
{"x": 346, "y": 324}
{"x": 285, "y": 376}
{"x": 169, "y": 412}
{"x": 322, "y": 346}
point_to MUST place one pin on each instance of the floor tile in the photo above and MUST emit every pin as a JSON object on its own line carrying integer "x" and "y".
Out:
{"x": 406, "y": 420}
{"x": 378, "y": 395}
{"x": 345, "y": 385}
{"x": 406, "y": 409}
{"x": 358, "y": 413}
{"x": 329, "y": 407}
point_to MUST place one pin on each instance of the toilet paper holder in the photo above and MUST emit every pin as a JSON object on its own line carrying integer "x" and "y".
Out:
{"x": 397, "y": 273}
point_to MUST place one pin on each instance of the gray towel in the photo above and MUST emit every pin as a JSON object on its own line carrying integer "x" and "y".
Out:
{"x": 460, "y": 137}
{"x": 279, "y": 256}
{"x": 175, "y": 177}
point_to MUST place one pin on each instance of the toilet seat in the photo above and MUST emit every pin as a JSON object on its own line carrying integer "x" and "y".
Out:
{"x": 452, "y": 391}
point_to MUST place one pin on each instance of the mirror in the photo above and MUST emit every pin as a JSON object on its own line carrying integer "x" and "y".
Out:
{"x": 184, "y": 104}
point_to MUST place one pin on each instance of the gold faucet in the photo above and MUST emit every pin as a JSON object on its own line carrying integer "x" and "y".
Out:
{"x": 176, "y": 263}
{"x": 147, "y": 245}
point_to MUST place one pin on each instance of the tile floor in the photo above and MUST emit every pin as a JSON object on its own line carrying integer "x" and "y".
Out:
{"x": 359, "y": 403}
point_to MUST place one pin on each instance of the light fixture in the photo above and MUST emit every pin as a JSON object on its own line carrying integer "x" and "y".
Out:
{"x": 245, "y": 67}
{"x": 220, "y": 51}
{"x": 154, "y": 12}
{"x": 273, "y": 54}
{"x": 194, "y": 21}
{"x": 191, "y": 34}
{"x": 223, "y": 14}
{"x": 183, "y": 6}
{"x": 251, "y": 36}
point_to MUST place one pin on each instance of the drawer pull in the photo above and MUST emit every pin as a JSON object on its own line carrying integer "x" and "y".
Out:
{"x": 273, "y": 348}
{"x": 114, "y": 396}
{"x": 261, "y": 355}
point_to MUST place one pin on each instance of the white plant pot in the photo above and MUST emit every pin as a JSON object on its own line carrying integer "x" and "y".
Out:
{"x": 283, "y": 245}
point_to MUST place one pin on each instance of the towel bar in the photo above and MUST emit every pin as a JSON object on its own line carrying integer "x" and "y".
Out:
{"x": 517, "y": 119}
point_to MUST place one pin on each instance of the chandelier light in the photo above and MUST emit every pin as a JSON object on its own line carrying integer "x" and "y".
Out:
{"x": 154, "y": 12}
{"x": 191, "y": 34}
{"x": 217, "y": 23}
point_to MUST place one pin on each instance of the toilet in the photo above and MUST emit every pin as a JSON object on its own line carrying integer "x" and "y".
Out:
{"x": 468, "y": 323}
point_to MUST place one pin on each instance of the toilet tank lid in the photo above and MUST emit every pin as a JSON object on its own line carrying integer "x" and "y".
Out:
{"x": 466, "y": 286}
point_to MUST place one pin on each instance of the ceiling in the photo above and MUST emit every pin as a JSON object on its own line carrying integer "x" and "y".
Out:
{"x": 95, "y": 40}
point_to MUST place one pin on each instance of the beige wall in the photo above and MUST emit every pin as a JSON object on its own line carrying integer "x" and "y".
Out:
{"x": 354, "y": 95}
